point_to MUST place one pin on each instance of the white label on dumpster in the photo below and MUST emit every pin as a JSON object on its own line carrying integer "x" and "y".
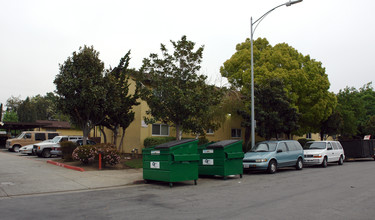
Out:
{"x": 154, "y": 165}
{"x": 155, "y": 152}
{"x": 208, "y": 161}
{"x": 210, "y": 151}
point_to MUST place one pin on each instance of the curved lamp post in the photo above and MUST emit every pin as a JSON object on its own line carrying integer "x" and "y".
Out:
{"x": 252, "y": 63}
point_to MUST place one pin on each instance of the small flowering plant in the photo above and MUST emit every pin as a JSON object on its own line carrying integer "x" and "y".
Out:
{"x": 110, "y": 155}
{"x": 86, "y": 153}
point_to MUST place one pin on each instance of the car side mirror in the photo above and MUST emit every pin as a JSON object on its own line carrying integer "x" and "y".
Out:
{"x": 279, "y": 151}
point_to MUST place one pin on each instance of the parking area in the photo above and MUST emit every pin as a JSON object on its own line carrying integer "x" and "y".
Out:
{"x": 26, "y": 175}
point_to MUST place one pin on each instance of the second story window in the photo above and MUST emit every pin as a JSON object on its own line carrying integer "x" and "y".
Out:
{"x": 160, "y": 130}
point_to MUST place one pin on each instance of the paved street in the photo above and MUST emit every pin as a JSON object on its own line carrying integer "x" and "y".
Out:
{"x": 335, "y": 192}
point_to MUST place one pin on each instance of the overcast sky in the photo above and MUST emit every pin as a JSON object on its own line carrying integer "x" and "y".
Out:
{"x": 38, "y": 35}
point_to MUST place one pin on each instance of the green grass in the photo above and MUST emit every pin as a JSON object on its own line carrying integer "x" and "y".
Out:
{"x": 134, "y": 163}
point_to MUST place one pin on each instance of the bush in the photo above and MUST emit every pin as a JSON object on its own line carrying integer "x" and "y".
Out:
{"x": 303, "y": 141}
{"x": 110, "y": 155}
{"x": 67, "y": 148}
{"x": 152, "y": 141}
{"x": 90, "y": 153}
{"x": 86, "y": 153}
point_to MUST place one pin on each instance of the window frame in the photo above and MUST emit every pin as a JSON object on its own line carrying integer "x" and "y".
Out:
{"x": 160, "y": 133}
{"x": 236, "y": 133}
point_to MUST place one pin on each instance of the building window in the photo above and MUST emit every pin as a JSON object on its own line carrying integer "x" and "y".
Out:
{"x": 308, "y": 135}
{"x": 160, "y": 130}
{"x": 209, "y": 131}
{"x": 236, "y": 133}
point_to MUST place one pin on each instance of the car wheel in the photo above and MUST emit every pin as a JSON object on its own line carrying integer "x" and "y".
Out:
{"x": 16, "y": 148}
{"x": 299, "y": 164}
{"x": 46, "y": 153}
{"x": 272, "y": 167}
{"x": 325, "y": 162}
{"x": 341, "y": 161}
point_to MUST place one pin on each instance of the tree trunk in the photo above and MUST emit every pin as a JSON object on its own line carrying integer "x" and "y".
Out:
{"x": 115, "y": 134}
{"x": 122, "y": 140}
{"x": 178, "y": 132}
{"x": 101, "y": 128}
{"x": 86, "y": 131}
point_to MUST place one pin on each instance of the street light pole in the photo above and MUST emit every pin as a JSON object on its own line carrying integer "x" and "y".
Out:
{"x": 252, "y": 63}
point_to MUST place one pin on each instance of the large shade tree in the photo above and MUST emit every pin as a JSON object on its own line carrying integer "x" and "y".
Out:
{"x": 81, "y": 90}
{"x": 305, "y": 81}
{"x": 175, "y": 92}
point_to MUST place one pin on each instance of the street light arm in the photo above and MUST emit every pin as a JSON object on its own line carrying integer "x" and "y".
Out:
{"x": 263, "y": 16}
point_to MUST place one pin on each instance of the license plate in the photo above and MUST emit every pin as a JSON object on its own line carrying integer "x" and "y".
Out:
{"x": 246, "y": 166}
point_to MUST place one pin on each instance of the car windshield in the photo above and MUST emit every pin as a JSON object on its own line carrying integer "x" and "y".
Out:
{"x": 56, "y": 139}
{"x": 315, "y": 145}
{"x": 21, "y": 135}
{"x": 264, "y": 147}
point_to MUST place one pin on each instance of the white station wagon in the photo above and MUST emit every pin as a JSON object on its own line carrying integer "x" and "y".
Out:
{"x": 323, "y": 152}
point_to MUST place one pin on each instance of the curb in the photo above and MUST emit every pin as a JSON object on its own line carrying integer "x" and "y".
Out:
{"x": 65, "y": 166}
{"x": 139, "y": 182}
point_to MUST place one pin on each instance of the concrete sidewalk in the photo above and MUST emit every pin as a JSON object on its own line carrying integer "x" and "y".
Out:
{"x": 24, "y": 176}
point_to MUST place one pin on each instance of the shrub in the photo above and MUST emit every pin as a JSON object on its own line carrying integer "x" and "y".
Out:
{"x": 152, "y": 141}
{"x": 110, "y": 155}
{"x": 86, "y": 154}
{"x": 67, "y": 148}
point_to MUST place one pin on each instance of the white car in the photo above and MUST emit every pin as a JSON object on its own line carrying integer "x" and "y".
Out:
{"x": 44, "y": 149}
{"x": 323, "y": 152}
{"x": 28, "y": 149}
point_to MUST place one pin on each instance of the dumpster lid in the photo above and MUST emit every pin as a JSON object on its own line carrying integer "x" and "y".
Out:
{"x": 173, "y": 143}
{"x": 222, "y": 144}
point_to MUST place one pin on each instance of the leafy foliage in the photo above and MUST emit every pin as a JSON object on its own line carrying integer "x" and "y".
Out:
{"x": 81, "y": 90}
{"x": 176, "y": 93}
{"x": 10, "y": 116}
{"x": 153, "y": 141}
{"x": 305, "y": 81}
{"x": 67, "y": 148}
{"x": 119, "y": 103}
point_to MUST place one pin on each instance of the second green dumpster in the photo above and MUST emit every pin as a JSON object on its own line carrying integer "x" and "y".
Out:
{"x": 174, "y": 161}
{"x": 222, "y": 158}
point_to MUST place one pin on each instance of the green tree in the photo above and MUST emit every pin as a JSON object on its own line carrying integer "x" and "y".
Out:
{"x": 120, "y": 102}
{"x": 332, "y": 125}
{"x": 26, "y": 111}
{"x": 10, "y": 116}
{"x": 351, "y": 107}
{"x": 369, "y": 127}
{"x": 80, "y": 88}
{"x": 13, "y": 103}
{"x": 306, "y": 83}
{"x": 176, "y": 94}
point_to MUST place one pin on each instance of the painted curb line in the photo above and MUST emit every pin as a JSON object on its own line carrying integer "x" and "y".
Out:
{"x": 65, "y": 166}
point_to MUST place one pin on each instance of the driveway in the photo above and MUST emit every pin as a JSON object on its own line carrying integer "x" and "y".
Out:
{"x": 26, "y": 175}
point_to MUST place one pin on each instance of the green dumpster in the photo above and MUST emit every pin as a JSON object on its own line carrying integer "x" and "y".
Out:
{"x": 222, "y": 158}
{"x": 171, "y": 162}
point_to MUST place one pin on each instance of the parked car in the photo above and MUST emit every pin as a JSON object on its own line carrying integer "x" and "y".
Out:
{"x": 44, "y": 149}
{"x": 271, "y": 155}
{"x": 28, "y": 137}
{"x": 28, "y": 149}
{"x": 323, "y": 152}
{"x": 57, "y": 150}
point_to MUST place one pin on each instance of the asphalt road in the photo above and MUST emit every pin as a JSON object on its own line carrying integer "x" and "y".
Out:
{"x": 335, "y": 192}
